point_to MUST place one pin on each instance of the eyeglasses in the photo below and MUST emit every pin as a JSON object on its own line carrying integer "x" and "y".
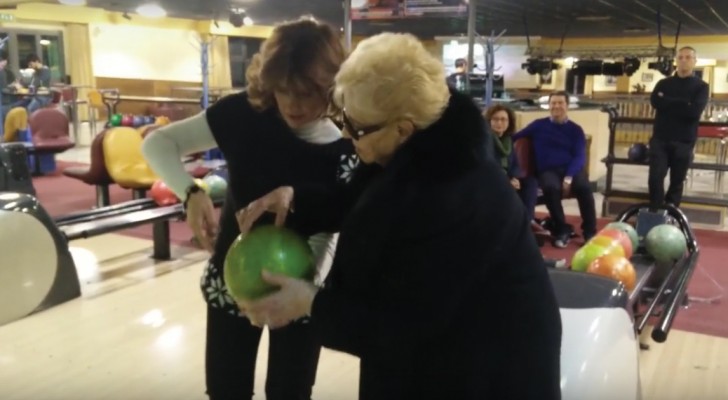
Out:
{"x": 356, "y": 134}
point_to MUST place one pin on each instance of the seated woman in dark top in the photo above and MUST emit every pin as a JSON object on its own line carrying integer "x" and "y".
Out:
{"x": 502, "y": 124}
{"x": 437, "y": 285}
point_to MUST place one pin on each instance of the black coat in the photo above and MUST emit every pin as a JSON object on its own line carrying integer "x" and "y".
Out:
{"x": 437, "y": 284}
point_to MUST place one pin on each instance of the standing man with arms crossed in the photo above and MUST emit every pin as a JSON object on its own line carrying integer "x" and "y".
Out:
{"x": 679, "y": 101}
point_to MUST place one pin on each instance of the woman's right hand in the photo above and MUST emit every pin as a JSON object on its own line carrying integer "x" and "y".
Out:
{"x": 278, "y": 201}
{"x": 201, "y": 219}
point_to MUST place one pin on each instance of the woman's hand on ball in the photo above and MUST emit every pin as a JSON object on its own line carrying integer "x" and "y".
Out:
{"x": 201, "y": 219}
{"x": 293, "y": 301}
{"x": 278, "y": 201}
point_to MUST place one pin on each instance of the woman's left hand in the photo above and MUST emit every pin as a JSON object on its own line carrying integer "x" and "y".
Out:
{"x": 516, "y": 183}
{"x": 292, "y": 301}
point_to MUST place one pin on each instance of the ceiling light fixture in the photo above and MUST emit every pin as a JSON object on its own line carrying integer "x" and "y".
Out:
{"x": 73, "y": 2}
{"x": 151, "y": 10}
{"x": 238, "y": 18}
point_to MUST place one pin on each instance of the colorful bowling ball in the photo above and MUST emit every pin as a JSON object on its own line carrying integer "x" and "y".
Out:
{"x": 629, "y": 230}
{"x": 127, "y": 120}
{"x": 162, "y": 194}
{"x": 277, "y": 250}
{"x": 621, "y": 237}
{"x": 615, "y": 267}
{"x": 149, "y": 119}
{"x": 585, "y": 255}
{"x": 137, "y": 121}
{"x": 217, "y": 186}
{"x": 612, "y": 245}
{"x": 161, "y": 120}
{"x": 115, "y": 120}
{"x": 666, "y": 243}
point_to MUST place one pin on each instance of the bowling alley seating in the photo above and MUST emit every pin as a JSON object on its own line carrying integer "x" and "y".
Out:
{"x": 16, "y": 121}
{"x": 95, "y": 173}
{"x": 124, "y": 160}
{"x": 49, "y": 128}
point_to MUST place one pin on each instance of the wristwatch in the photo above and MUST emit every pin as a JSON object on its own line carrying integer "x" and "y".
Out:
{"x": 193, "y": 188}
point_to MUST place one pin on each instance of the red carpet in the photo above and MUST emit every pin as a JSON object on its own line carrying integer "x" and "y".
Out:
{"x": 708, "y": 281}
{"x": 61, "y": 195}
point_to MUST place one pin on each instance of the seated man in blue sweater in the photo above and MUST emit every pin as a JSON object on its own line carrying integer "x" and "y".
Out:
{"x": 560, "y": 151}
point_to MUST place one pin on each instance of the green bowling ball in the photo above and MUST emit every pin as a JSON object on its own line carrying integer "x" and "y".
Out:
{"x": 629, "y": 230}
{"x": 666, "y": 243}
{"x": 115, "y": 120}
{"x": 585, "y": 255}
{"x": 217, "y": 186}
{"x": 277, "y": 250}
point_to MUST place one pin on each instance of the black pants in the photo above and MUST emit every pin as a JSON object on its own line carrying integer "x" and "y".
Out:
{"x": 232, "y": 347}
{"x": 529, "y": 195}
{"x": 664, "y": 155}
{"x": 551, "y": 183}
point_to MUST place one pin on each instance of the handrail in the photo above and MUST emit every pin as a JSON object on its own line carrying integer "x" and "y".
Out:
{"x": 650, "y": 121}
{"x": 673, "y": 288}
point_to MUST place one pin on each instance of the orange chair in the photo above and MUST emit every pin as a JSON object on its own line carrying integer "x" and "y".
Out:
{"x": 124, "y": 160}
{"x": 15, "y": 121}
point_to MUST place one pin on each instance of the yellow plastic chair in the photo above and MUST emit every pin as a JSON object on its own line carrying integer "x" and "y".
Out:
{"x": 15, "y": 121}
{"x": 95, "y": 105}
{"x": 125, "y": 162}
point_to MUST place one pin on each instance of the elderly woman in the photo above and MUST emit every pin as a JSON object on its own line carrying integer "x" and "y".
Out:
{"x": 437, "y": 284}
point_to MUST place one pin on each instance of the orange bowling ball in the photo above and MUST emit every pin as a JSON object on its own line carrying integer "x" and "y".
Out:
{"x": 162, "y": 194}
{"x": 620, "y": 236}
{"x": 614, "y": 267}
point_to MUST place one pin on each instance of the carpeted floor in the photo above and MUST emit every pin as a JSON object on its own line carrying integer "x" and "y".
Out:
{"x": 61, "y": 195}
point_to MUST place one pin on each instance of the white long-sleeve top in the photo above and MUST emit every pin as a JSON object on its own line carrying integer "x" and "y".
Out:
{"x": 165, "y": 147}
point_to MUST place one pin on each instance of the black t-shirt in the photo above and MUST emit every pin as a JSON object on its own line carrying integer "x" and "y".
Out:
{"x": 263, "y": 153}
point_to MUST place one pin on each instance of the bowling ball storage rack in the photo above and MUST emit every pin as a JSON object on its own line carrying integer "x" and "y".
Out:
{"x": 87, "y": 224}
{"x": 662, "y": 289}
{"x": 611, "y": 160}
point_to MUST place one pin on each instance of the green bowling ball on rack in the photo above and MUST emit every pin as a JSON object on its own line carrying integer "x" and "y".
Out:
{"x": 275, "y": 249}
{"x": 217, "y": 186}
{"x": 115, "y": 120}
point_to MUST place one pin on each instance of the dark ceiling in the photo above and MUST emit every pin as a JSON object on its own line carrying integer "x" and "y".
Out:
{"x": 549, "y": 18}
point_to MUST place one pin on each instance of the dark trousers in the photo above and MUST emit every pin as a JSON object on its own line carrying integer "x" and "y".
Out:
{"x": 232, "y": 347}
{"x": 551, "y": 183}
{"x": 529, "y": 195}
{"x": 664, "y": 155}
